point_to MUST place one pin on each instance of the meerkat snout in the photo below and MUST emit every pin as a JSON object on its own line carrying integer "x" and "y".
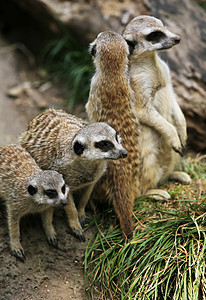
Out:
{"x": 176, "y": 39}
{"x": 123, "y": 154}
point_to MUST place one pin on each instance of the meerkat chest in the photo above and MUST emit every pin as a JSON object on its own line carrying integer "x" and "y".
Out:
{"x": 154, "y": 86}
{"x": 162, "y": 103}
{"x": 81, "y": 174}
{"x": 163, "y": 100}
{"x": 163, "y": 96}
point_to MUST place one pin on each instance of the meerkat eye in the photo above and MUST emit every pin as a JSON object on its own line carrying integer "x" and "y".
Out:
{"x": 131, "y": 45}
{"x": 155, "y": 36}
{"x": 64, "y": 189}
{"x": 32, "y": 190}
{"x": 51, "y": 193}
{"x": 104, "y": 145}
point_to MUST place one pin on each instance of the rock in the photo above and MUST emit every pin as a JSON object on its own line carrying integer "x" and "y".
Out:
{"x": 187, "y": 61}
{"x": 12, "y": 123}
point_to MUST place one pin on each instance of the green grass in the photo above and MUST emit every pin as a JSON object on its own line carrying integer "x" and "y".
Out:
{"x": 195, "y": 166}
{"x": 202, "y": 3}
{"x": 70, "y": 62}
{"x": 165, "y": 259}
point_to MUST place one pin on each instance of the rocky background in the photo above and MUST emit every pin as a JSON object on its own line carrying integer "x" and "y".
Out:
{"x": 86, "y": 18}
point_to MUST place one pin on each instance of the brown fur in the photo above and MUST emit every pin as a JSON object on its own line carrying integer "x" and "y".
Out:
{"x": 110, "y": 101}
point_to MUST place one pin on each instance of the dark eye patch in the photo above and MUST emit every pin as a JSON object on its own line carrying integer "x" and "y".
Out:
{"x": 32, "y": 190}
{"x": 51, "y": 193}
{"x": 155, "y": 36}
{"x": 78, "y": 148}
{"x": 131, "y": 45}
{"x": 117, "y": 135}
{"x": 64, "y": 189}
{"x": 104, "y": 145}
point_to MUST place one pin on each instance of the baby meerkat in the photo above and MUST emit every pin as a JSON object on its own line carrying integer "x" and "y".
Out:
{"x": 162, "y": 121}
{"x": 110, "y": 101}
{"x": 61, "y": 142}
{"x": 26, "y": 189}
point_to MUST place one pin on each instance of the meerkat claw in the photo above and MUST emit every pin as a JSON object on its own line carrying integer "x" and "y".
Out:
{"x": 183, "y": 148}
{"x": 82, "y": 220}
{"x": 79, "y": 234}
{"x": 19, "y": 254}
{"x": 54, "y": 242}
{"x": 180, "y": 152}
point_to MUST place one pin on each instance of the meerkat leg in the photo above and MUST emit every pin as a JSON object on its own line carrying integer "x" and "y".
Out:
{"x": 166, "y": 129}
{"x": 181, "y": 177}
{"x": 72, "y": 217}
{"x": 47, "y": 218}
{"x": 82, "y": 204}
{"x": 158, "y": 194}
{"x": 14, "y": 234}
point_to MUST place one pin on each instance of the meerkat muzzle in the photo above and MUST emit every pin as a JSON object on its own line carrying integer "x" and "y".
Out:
{"x": 123, "y": 154}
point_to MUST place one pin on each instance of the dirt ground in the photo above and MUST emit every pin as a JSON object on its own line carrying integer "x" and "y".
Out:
{"x": 48, "y": 273}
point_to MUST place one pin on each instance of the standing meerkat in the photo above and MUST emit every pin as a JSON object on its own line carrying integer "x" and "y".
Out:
{"x": 61, "y": 142}
{"x": 110, "y": 101}
{"x": 162, "y": 121}
{"x": 26, "y": 189}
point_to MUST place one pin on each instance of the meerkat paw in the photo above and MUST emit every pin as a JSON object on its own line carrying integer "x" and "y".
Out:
{"x": 50, "y": 233}
{"x": 53, "y": 241}
{"x": 158, "y": 194}
{"x": 181, "y": 177}
{"x": 82, "y": 219}
{"x": 176, "y": 144}
{"x": 19, "y": 253}
{"x": 79, "y": 234}
{"x": 180, "y": 149}
{"x": 76, "y": 228}
{"x": 182, "y": 133}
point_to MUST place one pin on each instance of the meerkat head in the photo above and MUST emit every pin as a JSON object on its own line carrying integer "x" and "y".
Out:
{"x": 98, "y": 141}
{"x": 146, "y": 34}
{"x": 48, "y": 187}
{"x": 110, "y": 50}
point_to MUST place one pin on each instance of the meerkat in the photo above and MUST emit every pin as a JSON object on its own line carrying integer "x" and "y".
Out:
{"x": 110, "y": 101}
{"x": 162, "y": 121}
{"x": 62, "y": 142}
{"x": 26, "y": 189}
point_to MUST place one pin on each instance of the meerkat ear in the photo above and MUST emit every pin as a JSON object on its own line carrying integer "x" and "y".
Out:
{"x": 32, "y": 190}
{"x": 78, "y": 148}
{"x": 93, "y": 50}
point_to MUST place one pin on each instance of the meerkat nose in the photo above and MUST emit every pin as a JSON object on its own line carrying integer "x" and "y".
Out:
{"x": 177, "y": 39}
{"x": 64, "y": 202}
{"x": 123, "y": 154}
